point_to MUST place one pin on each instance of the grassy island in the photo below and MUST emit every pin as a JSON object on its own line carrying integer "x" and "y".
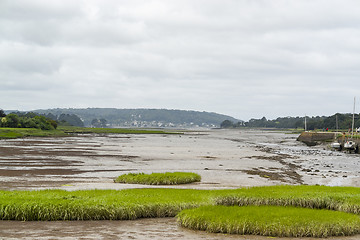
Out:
{"x": 273, "y": 221}
{"x": 168, "y": 178}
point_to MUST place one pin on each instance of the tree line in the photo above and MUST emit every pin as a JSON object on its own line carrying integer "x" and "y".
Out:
{"x": 29, "y": 120}
{"x": 336, "y": 121}
{"x": 34, "y": 120}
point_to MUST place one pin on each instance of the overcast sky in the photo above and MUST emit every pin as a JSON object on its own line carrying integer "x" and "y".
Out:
{"x": 244, "y": 58}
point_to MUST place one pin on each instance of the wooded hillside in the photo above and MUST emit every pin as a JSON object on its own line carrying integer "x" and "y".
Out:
{"x": 144, "y": 117}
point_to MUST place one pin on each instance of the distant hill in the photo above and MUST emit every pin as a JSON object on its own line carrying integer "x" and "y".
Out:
{"x": 144, "y": 117}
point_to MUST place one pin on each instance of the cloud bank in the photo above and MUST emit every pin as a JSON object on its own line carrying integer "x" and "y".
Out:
{"x": 244, "y": 58}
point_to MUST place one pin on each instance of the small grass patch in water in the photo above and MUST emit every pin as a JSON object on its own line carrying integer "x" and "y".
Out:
{"x": 272, "y": 221}
{"x": 168, "y": 178}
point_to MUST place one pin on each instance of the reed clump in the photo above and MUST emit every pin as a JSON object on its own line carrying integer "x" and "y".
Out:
{"x": 168, "y": 178}
{"x": 272, "y": 221}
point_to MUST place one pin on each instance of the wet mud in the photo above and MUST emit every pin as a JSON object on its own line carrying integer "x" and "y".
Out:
{"x": 286, "y": 174}
{"x": 224, "y": 159}
{"x": 143, "y": 229}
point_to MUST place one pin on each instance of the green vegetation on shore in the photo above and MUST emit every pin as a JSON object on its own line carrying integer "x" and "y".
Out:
{"x": 168, "y": 178}
{"x": 270, "y": 221}
{"x": 18, "y": 125}
{"x": 9, "y": 133}
{"x": 29, "y": 120}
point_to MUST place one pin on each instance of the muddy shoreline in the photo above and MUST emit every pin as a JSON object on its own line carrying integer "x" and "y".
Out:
{"x": 159, "y": 229}
{"x": 224, "y": 159}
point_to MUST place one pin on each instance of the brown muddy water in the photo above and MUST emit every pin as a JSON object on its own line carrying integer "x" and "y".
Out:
{"x": 224, "y": 159}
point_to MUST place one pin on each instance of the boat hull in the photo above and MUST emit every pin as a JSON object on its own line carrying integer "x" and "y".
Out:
{"x": 336, "y": 146}
{"x": 350, "y": 146}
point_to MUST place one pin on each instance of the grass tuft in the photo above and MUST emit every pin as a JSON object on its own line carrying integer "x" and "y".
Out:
{"x": 168, "y": 178}
{"x": 272, "y": 221}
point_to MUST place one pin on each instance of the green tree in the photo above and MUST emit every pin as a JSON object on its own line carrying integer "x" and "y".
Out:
{"x": 72, "y": 119}
{"x": 227, "y": 124}
{"x": 3, "y": 122}
{"x": 12, "y": 120}
{"x": 2, "y": 113}
{"x": 53, "y": 123}
{"x": 99, "y": 123}
{"x": 95, "y": 122}
{"x": 28, "y": 123}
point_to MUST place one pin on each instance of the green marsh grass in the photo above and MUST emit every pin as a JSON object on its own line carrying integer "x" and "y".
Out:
{"x": 10, "y": 133}
{"x": 160, "y": 202}
{"x": 344, "y": 199}
{"x": 168, "y": 178}
{"x": 51, "y": 205}
{"x": 273, "y": 221}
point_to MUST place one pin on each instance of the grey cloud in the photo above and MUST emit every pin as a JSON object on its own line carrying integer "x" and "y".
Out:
{"x": 38, "y": 10}
{"x": 239, "y": 57}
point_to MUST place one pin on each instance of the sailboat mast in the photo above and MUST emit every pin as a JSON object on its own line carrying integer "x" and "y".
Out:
{"x": 337, "y": 124}
{"x": 353, "y": 119}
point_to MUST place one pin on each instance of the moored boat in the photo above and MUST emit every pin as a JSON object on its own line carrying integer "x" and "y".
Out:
{"x": 336, "y": 146}
{"x": 350, "y": 145}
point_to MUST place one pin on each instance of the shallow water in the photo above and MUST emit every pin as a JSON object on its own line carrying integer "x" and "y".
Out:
{"x": 224, "y": 159}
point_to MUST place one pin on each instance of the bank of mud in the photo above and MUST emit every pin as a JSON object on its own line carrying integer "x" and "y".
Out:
{"x": 142, "y": 229}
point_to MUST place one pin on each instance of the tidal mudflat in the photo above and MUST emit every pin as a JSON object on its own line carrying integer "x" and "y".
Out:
{"x": 143, "y": 229}
{"x": 223, "y": 158}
